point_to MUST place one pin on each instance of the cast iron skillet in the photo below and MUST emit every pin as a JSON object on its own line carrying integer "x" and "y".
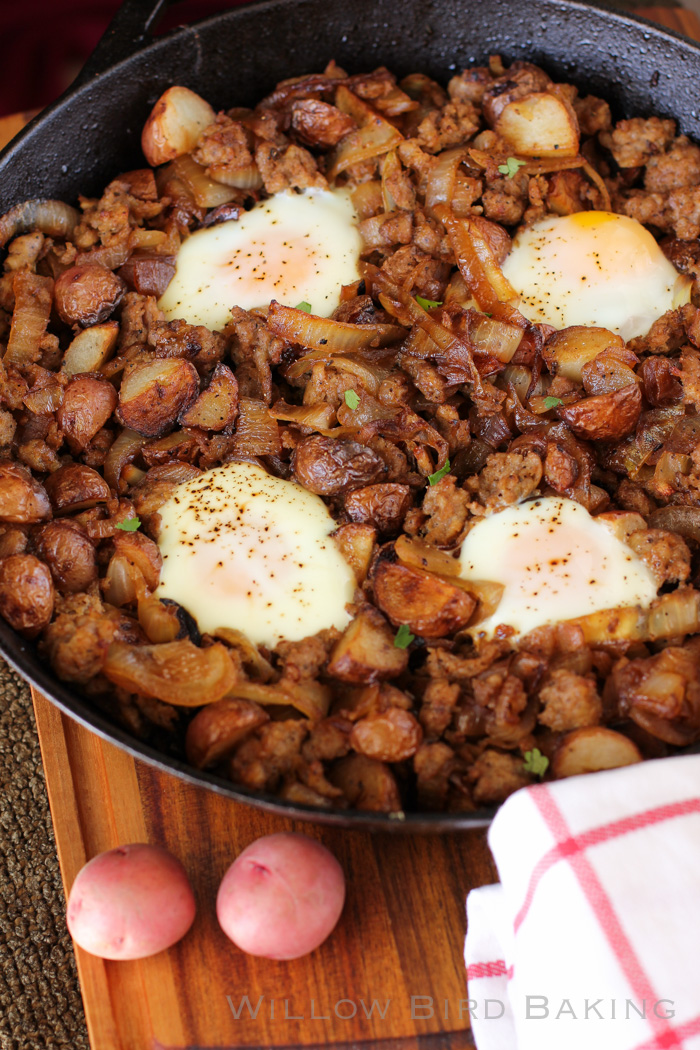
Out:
{"x": 92, "y": 133}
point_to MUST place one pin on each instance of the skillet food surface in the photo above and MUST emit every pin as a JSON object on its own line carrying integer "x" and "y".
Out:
{"x": 427, "y": 406}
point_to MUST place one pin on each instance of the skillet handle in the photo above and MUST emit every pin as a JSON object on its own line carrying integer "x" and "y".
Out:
{"x": 127, "y": 32}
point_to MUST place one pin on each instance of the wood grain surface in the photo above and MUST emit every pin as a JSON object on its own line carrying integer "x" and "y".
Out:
{"x": 399, "y": 942}
{"x": 392, "y": 971}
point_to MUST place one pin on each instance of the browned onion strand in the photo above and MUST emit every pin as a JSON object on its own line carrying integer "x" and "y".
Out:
{"x": 54, "y": 218}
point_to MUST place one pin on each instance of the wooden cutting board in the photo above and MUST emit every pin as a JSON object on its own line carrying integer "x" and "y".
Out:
{"x": 393, "y": 969}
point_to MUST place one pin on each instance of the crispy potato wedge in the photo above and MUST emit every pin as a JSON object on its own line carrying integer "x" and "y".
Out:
{"x": 178, "y": 673}
{"x": 75, "y": 487}
{"x": 591, "y": 749}
{"x": 88, "y": 402}
{"x": 216, "y": 407}
{"x": 22, "y": 499}
{"x": 566, "y": 352}
{"x": 366, "y": 651}
{"x": 542, "y": 124}
{"x": 356, "y": 542}
{"x": 429, "y": 605}
{"x": 154, "y": 393}
{"x": 26, "y": 593}
{"x": 91, "y": 348}
{"x": 87, "y": 294}
{"x": 607, "y": 373}
{"x": 217, "y": 729}
{"x": 174, "y": 125}
{"x": 521, "y": 79}
{"x": 366, "y": 783}
{"x": 607, "y": 417}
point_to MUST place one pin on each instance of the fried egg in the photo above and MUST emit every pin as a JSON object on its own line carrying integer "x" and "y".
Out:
{"x": 593, "y": 268}
{"x": 293, "y": 247}
{"x": 555, "y": 561}
{"x": 246, "y": 550}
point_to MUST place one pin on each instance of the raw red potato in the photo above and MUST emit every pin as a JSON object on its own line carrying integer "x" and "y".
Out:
{"x": 130, "y": 902}
{"x": 282, "y": 896}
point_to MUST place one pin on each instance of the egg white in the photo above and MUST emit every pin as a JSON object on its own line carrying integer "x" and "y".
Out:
{"x": 293, "y": 247}
{"x": 593, "y": 268}
{"x": 253, "y": 552}
{"x": 555, "y": 562}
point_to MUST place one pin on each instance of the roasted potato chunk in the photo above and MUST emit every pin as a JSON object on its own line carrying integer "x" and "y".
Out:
{"x": 389, "y": 736}
{"x": 214, "y": 733}
{"x": 356, "y": 542}
{"x": 174, "y": 125}
{"x": 69, "y": 555}
{"x": 591, "y": 749}
{"x": 22, "y": 499}
{"x": 542, "y": 124}
{"x": 366, "y": 651}
{"x": 26, "y": 593}
{"x": 88, "y": 402}
{"x": 606, "y": 417}
{"x": 87, "y": 294}
{"x": 216, "y": 408}
{"x": 329, "y": 466}
{"x": 429, "y": 605}
{"x": 91, "y": 348}
{"x": 154, "y": 393}
{"x": 519, "y": 80}
{"x": 384, "y": 506}
{"x": 567, "y": 351}
{"x": 76, "y": 487}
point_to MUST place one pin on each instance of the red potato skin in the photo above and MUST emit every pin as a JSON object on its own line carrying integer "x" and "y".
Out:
{"x": 281, "y": 897}
{"x": 130, "y": 902}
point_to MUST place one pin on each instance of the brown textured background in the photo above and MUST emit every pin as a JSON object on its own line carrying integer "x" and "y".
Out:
{"x": 40, "y": 1003}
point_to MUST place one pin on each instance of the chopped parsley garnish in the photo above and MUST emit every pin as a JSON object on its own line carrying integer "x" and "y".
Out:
{"x": 439, "y": 474}
{"x": 552, "y": 402}
{"x": 511, "y": 167}
{"x": 352, "y": 400}
{"x": 306, "y": 307}
{"x": 535, "y": 762}
{"x": 427, "y": 304}
{"x": 128, "y": 525}
{"x": 403, "y": 637}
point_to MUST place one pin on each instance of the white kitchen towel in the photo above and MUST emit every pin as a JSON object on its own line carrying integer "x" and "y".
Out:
{"x": 592, "y": 937}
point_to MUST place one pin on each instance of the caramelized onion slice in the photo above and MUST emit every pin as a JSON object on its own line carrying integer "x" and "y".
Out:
{"x": 123, "y": 450}
{"x": 206, "y": 192}
{"x": 320, "y": 416}
{"x": 309, "y": 697}
{"x": 54, "y": 218}
{"x": 320, "y": 333}
{"x": 178, "y": 673}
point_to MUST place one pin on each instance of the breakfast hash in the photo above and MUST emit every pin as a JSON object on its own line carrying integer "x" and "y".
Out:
{"x": 350, "y": 448}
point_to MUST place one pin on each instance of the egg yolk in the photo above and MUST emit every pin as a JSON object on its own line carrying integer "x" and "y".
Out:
{"x": 555, "y": 561}
{"x": 593, "y": 268}
{"x": 293, "y": 247}
{"x": 244, "y": 549}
